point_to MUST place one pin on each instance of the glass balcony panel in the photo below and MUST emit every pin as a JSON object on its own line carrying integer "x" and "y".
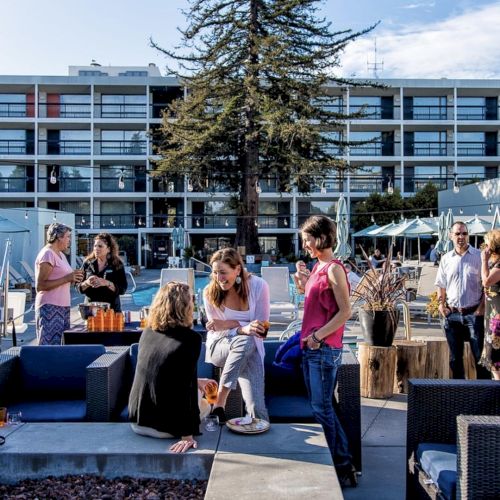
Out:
{"x": 16, "y": 147}
{"x": 14, "y": 184}
{"x": 13, "y": 110}
{"x": 123, "y": 148}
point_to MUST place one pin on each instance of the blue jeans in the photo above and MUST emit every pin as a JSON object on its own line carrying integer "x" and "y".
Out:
{"x": 320, "y": 375}
{"x": 459, "y": 329}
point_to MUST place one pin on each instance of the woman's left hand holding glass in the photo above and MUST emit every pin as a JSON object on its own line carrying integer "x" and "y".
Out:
{"x": 255, "y": 328}
{"x": 184, "y": 444}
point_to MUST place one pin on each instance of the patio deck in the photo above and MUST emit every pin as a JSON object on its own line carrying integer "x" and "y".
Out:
{"x": 383, "y": 421}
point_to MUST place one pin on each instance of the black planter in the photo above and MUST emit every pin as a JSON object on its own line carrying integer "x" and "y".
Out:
{"x": 379, "y": 327}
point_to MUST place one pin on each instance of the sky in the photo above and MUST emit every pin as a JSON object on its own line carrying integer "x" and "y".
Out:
{"x": 414, "y": 38}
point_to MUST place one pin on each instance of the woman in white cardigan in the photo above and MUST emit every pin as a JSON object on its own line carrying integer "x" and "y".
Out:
{"x": 237, "y": 304}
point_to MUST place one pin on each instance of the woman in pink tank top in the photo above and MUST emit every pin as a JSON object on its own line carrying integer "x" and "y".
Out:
{"x": 326, "y": 310}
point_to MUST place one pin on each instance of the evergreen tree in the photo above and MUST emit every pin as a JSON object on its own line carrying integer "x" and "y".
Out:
{"x": 255, "y": 109}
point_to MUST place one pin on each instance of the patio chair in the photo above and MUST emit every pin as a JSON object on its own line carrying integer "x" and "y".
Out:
{"x": 68, "y": 383}
{"x": 29, "y": 270}
{"x": 185, "y": 275}
{"x": 453, "y": 439}
{"x": 425, "y": 287}
{"x": 16, "y": 306}
{"x": 278, "y": 279}
{"x": 16, "y": 278}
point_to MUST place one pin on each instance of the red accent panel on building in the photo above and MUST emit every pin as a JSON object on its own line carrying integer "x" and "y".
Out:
{"x": 53, "y": 106}
{"x": 30, "y": 105}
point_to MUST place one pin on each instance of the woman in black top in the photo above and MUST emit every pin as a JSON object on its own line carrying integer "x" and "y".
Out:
{"x": 163, "y": 401}
{"x": 105, "y": 278}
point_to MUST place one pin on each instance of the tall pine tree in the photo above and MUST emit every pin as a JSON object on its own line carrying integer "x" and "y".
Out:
{"x": 256, "y": 107}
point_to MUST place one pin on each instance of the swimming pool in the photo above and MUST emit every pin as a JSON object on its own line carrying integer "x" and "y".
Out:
{"x": 144, "y": 296}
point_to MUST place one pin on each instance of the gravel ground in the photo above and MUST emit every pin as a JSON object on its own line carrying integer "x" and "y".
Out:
{"x": 95, "y": 487}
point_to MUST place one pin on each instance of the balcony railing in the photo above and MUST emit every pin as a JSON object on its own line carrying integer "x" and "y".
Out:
{"x": 416, "y": 183}
{"x": 64, "y": 147}
{"x": 428, "y": 148}
{"x": 229, "y": 221}
{"x": 121, "y": 148}
{"x": 426, "y": 112}
{"x": 64, "y": 185}
{"x": 62, "y": 110}
{"x": 15, "y": 184}
{"x": 473, "y": 112}
{"x": 473, "y": 148}
{"x": 376, "y": 148}
{"x": 118, "y": 221}
{"x": 16, "y": 147}
{"x": 117, "y": 110}
{"x": 375, "y": 112}
{"x": 15, "y": 110}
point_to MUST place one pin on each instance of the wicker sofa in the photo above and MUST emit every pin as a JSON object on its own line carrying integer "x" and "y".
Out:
{"x": 61, "y": 383}
{"x": 453, "y": 439}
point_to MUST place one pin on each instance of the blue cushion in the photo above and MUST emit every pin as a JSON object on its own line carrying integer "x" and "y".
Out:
{"x": 205, "y": 370}
{"x": 289, "y": 408}
{"x": 439, "y": 462}
{"x": 56, "y": 372}
{"x": 52, "y": 411}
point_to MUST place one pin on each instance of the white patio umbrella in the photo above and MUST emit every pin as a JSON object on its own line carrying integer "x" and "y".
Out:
{"x": 496, "y": 219}
{"x": 449, "y": 223}
{"x": 173, "y": 237}
{"x": 477, "y": 227}
{"x": 413, "y": 228}
{"x": 342, "y": 250}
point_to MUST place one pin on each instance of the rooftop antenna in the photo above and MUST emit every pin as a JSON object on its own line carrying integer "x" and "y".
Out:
{"x": 376, "y": 65}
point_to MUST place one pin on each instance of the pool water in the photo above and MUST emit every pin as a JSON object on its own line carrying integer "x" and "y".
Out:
{"x": 144, "y": 297}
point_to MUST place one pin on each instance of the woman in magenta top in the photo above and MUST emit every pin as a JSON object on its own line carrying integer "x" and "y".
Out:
{"x": 326, "y": 310}
{"x": 53, "y": 278}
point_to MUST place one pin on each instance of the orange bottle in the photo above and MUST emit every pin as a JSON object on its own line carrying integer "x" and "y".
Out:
{"x": 90, "y": 324}
{"x": 119, "y": 322}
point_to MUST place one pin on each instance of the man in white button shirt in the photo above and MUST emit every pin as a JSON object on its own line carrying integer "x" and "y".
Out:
{"x": 460, "y": 297}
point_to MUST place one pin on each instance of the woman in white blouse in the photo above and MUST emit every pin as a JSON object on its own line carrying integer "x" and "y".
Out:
{"x": 237, "y": 304}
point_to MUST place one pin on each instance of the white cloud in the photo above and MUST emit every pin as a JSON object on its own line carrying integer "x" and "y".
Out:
{"x": 465, "y": 46}
{"x": 418, "y": 5}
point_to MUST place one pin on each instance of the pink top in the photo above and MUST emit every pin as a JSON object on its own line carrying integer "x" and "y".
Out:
{"x": 61, "y": 295}
{"x": 320, "y": 306}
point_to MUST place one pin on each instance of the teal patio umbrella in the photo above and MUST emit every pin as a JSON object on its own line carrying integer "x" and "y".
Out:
{"x": 477, "y": 227}
{"x": 342, "y": 250}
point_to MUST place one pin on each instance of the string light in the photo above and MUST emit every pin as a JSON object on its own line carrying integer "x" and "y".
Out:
{"x": 256, "y": 223}
{"x": 323, "y": 188}
{"x": 431, "y": 214}
{"x": 26, "y": 214}
{"x": 456, "y": 187}
{"x": 111, "y": 221}
{"x": 139, "y": 222}
{"x": 171, "y": 187}
{"x": 198, "y": 222}
{"x": 121, "y": 180}
{"x": 53, "y": 177}
{"x": 226, "y": 222}
{"x": 190, "y": 185}
{"x": 258, "y": 189}
{"x": 390, "y": 187}
{"x": 55, "y": 217}
{"x": 372, "y": 219}
{"x": 401, "y": 217}
{"x": 461, "y": 211}
{"x": 83, "y": 220}
{"x": 490, "y": 208}
{"x": 285, "y": 222}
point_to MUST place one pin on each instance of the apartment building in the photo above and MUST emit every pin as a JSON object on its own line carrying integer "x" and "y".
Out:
{"x": 81, "y": 143}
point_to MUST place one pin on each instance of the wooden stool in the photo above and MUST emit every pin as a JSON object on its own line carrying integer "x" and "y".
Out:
{"x": 437, "y": 360}
{"x": 469, "y": 363}
{"x": 410, "y": 356}
{"x": 377, "y": 369}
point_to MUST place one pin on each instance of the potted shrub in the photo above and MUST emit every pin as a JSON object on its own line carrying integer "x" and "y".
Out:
{"x": 377, "y": 297}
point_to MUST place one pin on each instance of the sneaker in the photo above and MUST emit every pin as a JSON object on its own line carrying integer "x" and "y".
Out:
{"x": 219, "y": 411}
{"x": 347, "y": 475}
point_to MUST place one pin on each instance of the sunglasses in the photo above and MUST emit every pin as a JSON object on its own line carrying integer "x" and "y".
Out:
{"x": 463, "y": 233}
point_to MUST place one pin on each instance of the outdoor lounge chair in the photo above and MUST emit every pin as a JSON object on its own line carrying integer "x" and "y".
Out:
{"x": 15, "y": 277}
{"x": 67, "y": 383}
{"x": 28, "y": 270}
{"x": 16, "y": 305}
{"x": 424, "y": 288}
{"x": 453, "y": 439}
{"x": 185, "y": 275}
{"x": 278, "y": 279}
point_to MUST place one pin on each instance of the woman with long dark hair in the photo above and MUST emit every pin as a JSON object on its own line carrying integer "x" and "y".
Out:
{"x": 104, "y": 278}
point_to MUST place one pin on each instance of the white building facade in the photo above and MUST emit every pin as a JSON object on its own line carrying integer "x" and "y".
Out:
{"x": 83, "y": 144}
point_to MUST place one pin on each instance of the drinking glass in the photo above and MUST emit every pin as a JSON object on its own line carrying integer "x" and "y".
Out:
{"x": 3, "y": 415}
{"x": 212, "y": 423}
{"x": 266, "y": 326}
{"x": 211, "y": 390}
{"x": 14, "y": 418}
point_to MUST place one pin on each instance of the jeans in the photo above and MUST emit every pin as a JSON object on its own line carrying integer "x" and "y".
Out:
{"x": 320, "y": 375}
{"x": 459, "y": 329}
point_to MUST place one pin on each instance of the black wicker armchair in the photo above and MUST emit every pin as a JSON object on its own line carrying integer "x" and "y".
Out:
{"x": 465, "y": 413}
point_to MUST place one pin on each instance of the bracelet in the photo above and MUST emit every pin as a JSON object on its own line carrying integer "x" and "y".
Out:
{"x": 316, "y": 338}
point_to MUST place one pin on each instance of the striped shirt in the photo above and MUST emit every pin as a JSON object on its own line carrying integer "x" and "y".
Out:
{"x": 460, "y": 276}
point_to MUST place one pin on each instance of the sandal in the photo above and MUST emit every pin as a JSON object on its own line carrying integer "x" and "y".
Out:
{"x": 347, "y": 475}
